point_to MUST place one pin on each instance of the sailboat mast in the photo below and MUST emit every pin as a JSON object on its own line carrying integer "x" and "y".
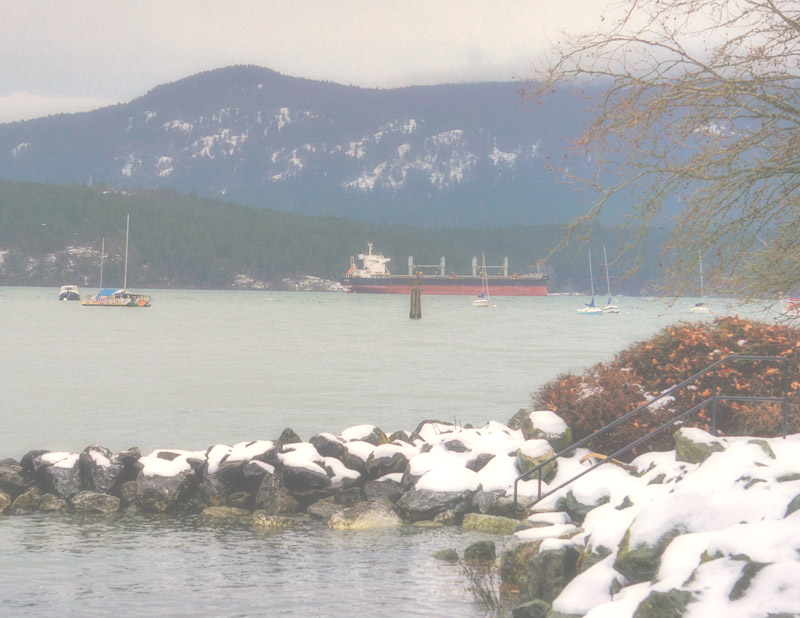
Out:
{"x": 591, "y": 277}
{"x": 608, "y": 277}
{"x": 125, "y": 275}
{"x": 102, "y": 259}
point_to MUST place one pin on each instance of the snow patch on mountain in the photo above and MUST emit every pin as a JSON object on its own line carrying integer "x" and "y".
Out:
{"x": 19, "y": 149}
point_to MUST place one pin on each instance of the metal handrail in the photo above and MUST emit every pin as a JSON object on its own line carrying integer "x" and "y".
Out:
{"x": 712, "y": 400}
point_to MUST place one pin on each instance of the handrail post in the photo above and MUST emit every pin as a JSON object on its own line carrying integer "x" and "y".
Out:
{"x": 714, "y": 402}
{"x": 540, "y": 483}
{"x": 785, "y": 397}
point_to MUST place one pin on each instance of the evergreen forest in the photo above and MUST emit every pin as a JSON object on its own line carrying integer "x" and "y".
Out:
{"x": 52, "y": 235}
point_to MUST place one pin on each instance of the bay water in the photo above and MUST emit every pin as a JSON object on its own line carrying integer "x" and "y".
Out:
{"x": 206, "y": 367}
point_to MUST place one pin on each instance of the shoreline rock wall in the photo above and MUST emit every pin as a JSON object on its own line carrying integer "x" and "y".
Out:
{"x": 709, "y": 525}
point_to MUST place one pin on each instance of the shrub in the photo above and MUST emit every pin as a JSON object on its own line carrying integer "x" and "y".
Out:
{"x": 637, "y": 374}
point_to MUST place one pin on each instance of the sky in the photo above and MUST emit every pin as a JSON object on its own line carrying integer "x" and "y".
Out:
{"x": 66, "y": 56}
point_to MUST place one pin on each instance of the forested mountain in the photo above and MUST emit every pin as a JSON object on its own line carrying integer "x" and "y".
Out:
{"x": 52, "y": 234}
{"x": 453, "y": 155}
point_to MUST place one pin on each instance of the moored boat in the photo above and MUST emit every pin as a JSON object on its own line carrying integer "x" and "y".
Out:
{"x": 111, "y": 297}
{"x": 373, "y": 277}
{"x": 69, "y": 292}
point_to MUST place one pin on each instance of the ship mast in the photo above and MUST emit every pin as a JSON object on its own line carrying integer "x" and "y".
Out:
{"x": 125, "y": 275}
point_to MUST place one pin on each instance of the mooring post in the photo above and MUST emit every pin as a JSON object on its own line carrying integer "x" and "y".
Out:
{"x": 416, "y": 303}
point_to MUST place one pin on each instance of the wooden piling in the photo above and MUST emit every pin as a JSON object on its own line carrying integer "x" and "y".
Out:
{"x": 416, "y": 303}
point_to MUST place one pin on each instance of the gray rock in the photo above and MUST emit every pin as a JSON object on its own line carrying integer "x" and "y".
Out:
{"x": 670, "y": 604}
{"x": 690, "y": 451}
{"x": 288, "y": 436}
{"x": 447, "y": 555}
{"x": 381, "y": 466}
{"x": 324, "y": 509}
{"x": 494, "y": 503}
{"x": 456, "y": 446}
{"x": 365, "y": 516}
{"x": 29, "y": 461}
{"x": 489, "y": 523}
{"x": 94, "y": 502}
{"x": 241, "y": 500}
{"x": 526, "y": 463}
{"x": 263, "y": 521}
{"x": 531, "y": 609}
{"x": 304, "y": 479}
{"x": 793, "y": 506}
{"x": 127, "y": 494}
{"x": 417, "y": 504}
{"x": 750, "y": 570}
{"x": 522, "y": 421}
{"x": 100, "y": 470}
{"x": 163, "y": 493}
{"x": 230, "y": 473}
{"x": 224, "y": 513}
{"x": 49, "y": 503}
{"x": 401, "y": 436}
{"x": 25, "y": 503}
{"x": 212, "y": 490}
{"x": 385, "y": 489}
{"x": 59, "y": 479}
{"x": 575, "y": 509}
{"x": 549, "y": 572}
{"x": 481, "y": 551}
{"x": 376, "y": 437}
{"x": 640, "y": 564}
{"x": 12, "y": 479}
{"x": 274, "y": 499}
{"x": 328, "y": 447}
{"x": 514, "y": 563}
{"x": 479, "y": 462}
{"x": 349, "y": 497}
{"x": 5, "y": 500}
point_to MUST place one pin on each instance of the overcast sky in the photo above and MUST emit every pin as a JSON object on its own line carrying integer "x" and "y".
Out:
{"x": 73, "y": 55}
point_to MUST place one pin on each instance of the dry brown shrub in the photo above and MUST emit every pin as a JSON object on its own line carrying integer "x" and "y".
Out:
{"x": 605, "y": 392}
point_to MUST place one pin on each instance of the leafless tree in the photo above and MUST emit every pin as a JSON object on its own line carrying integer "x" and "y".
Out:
{"x": 697, "y": 112}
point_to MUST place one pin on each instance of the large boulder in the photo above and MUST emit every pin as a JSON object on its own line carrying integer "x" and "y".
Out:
{"x": 100, "y": 470}
{"x": 549, "y": 572}
{"x": 223, "y": 513}
{"x": 328, "y": 445}
{"x": 365, "y": 433}
{"x": 365, "y": 516}
{"x": 386, "y": 459}
{"x": 494, "y": 503}
{"x": 385, "y": 489}
{"x": 25, "y": 503}
{"x": 695, "y": 445}
{"x": 514, "y": 563}
{"x": 12, "y": 479}
{"x": 480, "y": 551}
{"x": 263, "y": 521}
{"x": 59, "y": 473}
{"x": 274, "y": 499}
{"x": 532, "y": 454}
{"x": 489, "y": 523}
{"x": 640, "y": 563}
{"x": 5, "y": 500}
{"x": 49, "y": 503}
{"x": 419, "y": 504}
{"x": 156, "y": 493}
{"x": 576, "y": 509}
{"x": 94, "y": 502}
{"x": 670, "y": 604}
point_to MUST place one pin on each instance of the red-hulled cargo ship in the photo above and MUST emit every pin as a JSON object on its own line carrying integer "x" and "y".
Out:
{"x": 373, "y": 277}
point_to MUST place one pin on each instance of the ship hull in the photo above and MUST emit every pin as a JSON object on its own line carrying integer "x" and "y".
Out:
{"x": 461, "y": 286}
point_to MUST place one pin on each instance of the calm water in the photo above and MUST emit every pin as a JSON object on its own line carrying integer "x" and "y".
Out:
{"x": 203, "y": 367}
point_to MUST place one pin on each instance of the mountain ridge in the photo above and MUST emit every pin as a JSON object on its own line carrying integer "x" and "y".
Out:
{"x": 452, "y": 155}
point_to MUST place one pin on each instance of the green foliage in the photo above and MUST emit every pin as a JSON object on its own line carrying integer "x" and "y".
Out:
{"x": 181, "y": 241}
{"x": 647, "y": 368}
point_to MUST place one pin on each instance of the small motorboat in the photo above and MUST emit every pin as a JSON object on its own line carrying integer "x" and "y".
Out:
{"x": 69, "y": 292}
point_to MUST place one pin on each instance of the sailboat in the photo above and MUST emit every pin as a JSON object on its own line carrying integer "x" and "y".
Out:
{"x": 111, "y": 297}
{"x": 482, "y": 299}
{"x": 610, "y": 307}
{"x": 701, "y": 307}
{"x": 590, "y": 309}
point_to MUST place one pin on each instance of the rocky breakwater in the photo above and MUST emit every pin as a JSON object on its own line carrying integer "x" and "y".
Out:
{"x": 362, "y": 478}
